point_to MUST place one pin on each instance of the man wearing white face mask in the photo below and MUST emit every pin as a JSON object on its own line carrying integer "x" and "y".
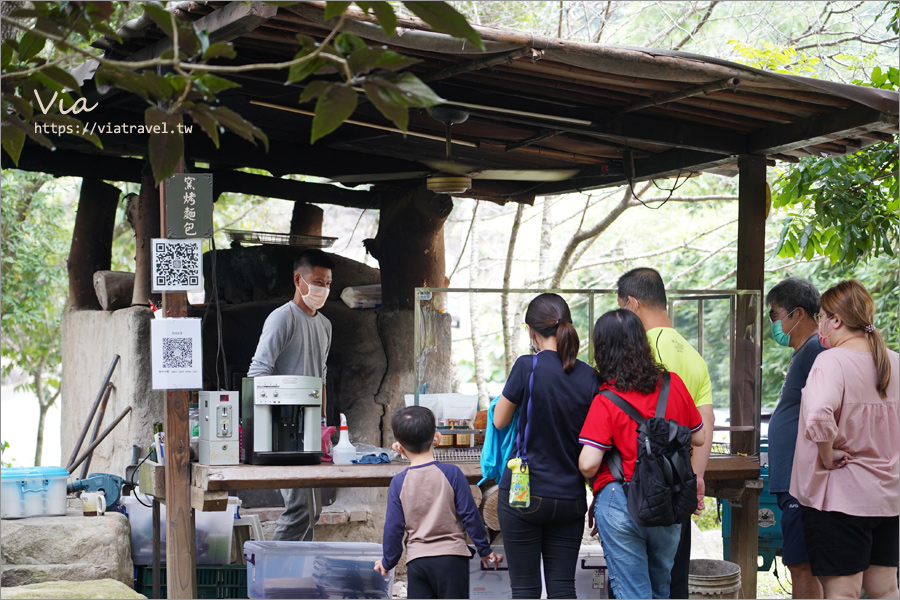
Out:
{"x": 793, "y": 304}
{"x": 295, "y": 340}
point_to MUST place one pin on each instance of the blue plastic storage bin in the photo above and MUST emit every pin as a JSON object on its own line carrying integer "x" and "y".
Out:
{"x": 32, "y": 492}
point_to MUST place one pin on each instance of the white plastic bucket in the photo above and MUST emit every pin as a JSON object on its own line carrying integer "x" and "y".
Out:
{"x": 712, "y": 579}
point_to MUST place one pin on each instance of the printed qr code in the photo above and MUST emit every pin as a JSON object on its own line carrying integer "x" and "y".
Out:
{"x": 177, "y": 265}
{"x": 177, "y": 352}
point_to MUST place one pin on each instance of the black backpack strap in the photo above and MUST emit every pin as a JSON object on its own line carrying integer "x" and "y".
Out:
{"x": 663, "y": 396}
{"x": 624, "y": 404}
{"x": 615, "y": 465}
{"x": 615, "y": 457}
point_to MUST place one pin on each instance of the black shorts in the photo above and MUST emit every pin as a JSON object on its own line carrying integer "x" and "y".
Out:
{"x": 840, "y": 544}
{"x": 793, "y": 549}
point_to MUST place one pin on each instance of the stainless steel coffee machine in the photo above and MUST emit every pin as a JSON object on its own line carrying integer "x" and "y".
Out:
{"x": 281, "y": 420}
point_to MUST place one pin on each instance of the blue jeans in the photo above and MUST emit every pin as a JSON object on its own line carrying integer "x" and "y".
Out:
{"x": 549, "y": 529}
{"x": 639, "y": 558}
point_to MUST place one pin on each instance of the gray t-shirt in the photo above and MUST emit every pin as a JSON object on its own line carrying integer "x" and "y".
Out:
{"x": 786, "y": 419}
{"x": 292, "y": 343}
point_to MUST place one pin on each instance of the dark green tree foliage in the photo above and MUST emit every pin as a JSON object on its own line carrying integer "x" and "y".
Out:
{"x": 190, "y": 85}
{"x": 843, "y": 207}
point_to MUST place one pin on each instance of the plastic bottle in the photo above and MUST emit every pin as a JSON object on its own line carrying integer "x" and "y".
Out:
{"x": 344, "y": 453}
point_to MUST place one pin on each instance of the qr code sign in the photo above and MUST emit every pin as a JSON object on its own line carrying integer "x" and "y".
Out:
{"x": 177, "y": 265}
{"x": 178, "y": 353}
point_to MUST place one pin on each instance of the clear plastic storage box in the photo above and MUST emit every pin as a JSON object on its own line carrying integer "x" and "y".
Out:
{"x": 214, "y": 531}
{"x": 315, "y": 570}
{"x": 486, "y": 582}
{"x": 591, "y": 577}
{"x": 32, "y": 492}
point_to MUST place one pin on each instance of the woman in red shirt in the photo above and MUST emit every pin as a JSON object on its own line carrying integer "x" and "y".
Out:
{"x": 639, "y": 558}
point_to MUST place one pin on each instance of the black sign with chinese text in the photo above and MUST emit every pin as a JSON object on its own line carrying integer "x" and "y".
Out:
{"x": 189, "y": 206}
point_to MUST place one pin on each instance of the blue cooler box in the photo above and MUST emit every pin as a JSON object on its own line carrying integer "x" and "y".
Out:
{"x": 771, "y": 540}
{"x": 315, "y": 570}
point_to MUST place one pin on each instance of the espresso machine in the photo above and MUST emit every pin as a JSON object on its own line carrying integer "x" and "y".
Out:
{"x": 281, "y": 420}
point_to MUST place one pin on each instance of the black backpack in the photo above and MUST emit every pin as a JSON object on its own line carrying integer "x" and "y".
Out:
{"x": 663, "y": 489}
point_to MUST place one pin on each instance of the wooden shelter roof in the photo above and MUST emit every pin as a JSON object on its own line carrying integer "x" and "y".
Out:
{"x": 534, "y": 103}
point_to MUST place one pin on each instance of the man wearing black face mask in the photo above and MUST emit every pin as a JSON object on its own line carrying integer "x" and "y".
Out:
{"x": 295, "y": 340}
{"x": 792, "y": 303}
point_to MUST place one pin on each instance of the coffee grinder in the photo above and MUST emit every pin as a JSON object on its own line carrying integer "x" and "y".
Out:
{"x": 281, "y": 420}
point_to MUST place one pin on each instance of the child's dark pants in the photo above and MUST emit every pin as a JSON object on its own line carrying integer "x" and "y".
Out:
{"x": 438, "y": 577}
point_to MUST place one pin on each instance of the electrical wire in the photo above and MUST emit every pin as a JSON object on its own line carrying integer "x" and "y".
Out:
{"x": 350, "y": 239}
{"x": 671, "y": 191}
{"x": 131, "y": 480}
{"x": 220, "y": 345}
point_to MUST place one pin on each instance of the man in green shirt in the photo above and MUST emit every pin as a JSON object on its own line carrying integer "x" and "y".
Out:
{"x": 643, "y": 292}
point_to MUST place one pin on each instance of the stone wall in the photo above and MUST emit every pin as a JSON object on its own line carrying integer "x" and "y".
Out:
{"x": 90, "y": 339}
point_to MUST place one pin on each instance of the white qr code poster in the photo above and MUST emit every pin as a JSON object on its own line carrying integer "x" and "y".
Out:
{"x": 176, "y": 354}
{"x": 177, "y": 265}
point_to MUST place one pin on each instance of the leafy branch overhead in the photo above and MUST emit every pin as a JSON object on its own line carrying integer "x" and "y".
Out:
{"x": 187, "y": 79}
{"x": 843, "y": 207}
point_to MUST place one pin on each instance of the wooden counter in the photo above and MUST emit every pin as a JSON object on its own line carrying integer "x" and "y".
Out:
{"x": 256, "y": 477}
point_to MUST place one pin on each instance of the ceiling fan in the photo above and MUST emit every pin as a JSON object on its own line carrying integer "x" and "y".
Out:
{"x": 450, "y": 177}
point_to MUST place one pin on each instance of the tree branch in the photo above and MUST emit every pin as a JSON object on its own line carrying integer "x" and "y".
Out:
{"x": 697, "y": 27}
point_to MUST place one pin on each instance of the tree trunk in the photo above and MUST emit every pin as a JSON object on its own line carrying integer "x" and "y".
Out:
{"x": 509, "y": 337}
{"x": 39, "y": 442}
{"x": 474, "y": 313}
{"x": 409, "y": 245}
{"x": 306, "y": 219}
{"x": 114, "y": 289}
{"x": 91, "y": 241}
{"x": 546, "y": 241}
{"x": 143, "y": 214}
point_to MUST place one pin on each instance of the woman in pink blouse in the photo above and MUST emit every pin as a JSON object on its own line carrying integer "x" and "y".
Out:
{"x": 846, "y": 473}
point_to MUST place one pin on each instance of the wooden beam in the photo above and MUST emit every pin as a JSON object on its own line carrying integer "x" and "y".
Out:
{"x": 63, "y": 163}
{"x": 852, "y": 122}
{"x": 623, "y": 128}
{"x": 287, "y": 189}
{"x": 477, "y": 64}
{"x": 732, "y": 467}
{"x": 152, "y": 481}
{"x": 224, "y": 24}
{"x": 673, "y": 163}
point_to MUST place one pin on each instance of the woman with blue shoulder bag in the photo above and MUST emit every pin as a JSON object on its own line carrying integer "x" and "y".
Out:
{"x": 541, "y": 506}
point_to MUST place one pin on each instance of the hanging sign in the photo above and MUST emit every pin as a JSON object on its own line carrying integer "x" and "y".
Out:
{"x": 189, "y": 205}
{"x": 175, "y": 354}
{"x": 177, "y": 265}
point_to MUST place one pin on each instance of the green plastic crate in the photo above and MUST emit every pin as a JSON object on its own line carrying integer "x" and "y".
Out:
{"x": 213, "y": 581}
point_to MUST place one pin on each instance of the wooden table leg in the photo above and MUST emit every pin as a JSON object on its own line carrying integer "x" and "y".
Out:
{"x": 745, "y": 535}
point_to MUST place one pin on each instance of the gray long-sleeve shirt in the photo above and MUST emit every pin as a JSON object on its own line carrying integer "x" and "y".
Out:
{"x": 292, "y": 343}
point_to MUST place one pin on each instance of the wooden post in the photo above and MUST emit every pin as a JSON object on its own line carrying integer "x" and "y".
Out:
{"x": 409, "y": 245}
{"x": 745, "y": 401}
{"x": 114, "y": 289}
{"x": 306, "y": 219}
{"x": 143, "y": 212}
{"x": 745, "y": 535}
{"x": 91, "y": 241}
{"x": 750, "y": 275}
{"x": 181, "y": 553}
